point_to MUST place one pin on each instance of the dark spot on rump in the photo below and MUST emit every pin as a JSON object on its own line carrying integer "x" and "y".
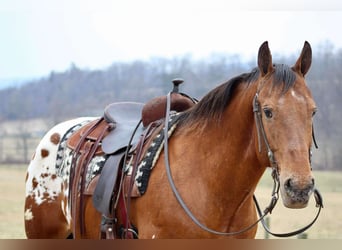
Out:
{"x": 34, "y": 183}
{"x": 46, "y": 195}
{"x": 53, "y": 176}
{"x": 55, "y": 138}
{"x": 44, "y": 153}
{"x": 43, "y": 175}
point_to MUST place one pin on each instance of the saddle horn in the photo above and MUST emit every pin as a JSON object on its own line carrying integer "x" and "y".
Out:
{"x": 155, "y": 108}
{"x": 176, "y": 82}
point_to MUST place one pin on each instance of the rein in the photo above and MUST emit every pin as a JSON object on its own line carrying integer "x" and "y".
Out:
{"x": 275, "y": 176}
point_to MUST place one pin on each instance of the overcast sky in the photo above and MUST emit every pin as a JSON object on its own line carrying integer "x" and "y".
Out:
{"x": 38, "y": 36}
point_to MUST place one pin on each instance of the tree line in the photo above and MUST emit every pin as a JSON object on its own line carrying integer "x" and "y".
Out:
{"x": 84, "y": 92}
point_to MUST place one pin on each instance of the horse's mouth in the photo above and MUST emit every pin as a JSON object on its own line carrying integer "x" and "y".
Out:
{"x": 296, "y": 198}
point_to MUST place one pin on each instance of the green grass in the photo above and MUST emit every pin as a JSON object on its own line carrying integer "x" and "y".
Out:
{"x": 328, "y": 225}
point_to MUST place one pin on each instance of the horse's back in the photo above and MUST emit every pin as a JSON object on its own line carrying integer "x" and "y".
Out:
{"x": 46, "y": 202}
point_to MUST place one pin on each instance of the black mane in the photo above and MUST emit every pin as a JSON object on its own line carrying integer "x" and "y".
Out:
{"x": 215, "y": 102}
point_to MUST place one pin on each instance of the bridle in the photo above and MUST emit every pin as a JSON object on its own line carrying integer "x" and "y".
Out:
{"x": 275, "y": 176}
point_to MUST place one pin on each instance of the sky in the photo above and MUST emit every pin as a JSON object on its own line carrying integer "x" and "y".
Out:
{"x": 40, "y": 36}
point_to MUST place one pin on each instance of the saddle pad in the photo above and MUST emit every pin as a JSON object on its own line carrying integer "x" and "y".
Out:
{"x": 125, "y": 116}
{"x": 152, "y": 154}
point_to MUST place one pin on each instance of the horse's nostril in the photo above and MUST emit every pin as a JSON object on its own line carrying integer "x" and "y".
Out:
{"x": 288, "y": 184}
{"x": 291, "y": 185}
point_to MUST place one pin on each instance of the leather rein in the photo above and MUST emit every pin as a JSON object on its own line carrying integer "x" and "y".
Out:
{"x": 275, "y": 176}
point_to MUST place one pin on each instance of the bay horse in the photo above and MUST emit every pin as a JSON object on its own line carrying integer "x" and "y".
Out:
{"x": 216, "y": 155}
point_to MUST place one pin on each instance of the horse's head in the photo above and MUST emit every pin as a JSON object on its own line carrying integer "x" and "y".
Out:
{"x": 286, "y": 107}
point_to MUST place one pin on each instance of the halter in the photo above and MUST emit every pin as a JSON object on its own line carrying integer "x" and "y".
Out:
{"x": 275, "y": 176}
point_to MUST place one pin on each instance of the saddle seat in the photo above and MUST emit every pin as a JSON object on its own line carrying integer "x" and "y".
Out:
{"x": 125, "y": 117}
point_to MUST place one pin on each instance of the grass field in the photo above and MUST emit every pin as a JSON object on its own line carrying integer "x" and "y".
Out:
{"x": 12, "y": 194}
{"x": 328, "y": 225}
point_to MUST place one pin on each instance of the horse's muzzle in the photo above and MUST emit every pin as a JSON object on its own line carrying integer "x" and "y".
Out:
{"x": 296, "y": 194}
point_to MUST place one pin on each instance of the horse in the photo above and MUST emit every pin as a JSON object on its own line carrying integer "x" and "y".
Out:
{"x": 213, "y": 160}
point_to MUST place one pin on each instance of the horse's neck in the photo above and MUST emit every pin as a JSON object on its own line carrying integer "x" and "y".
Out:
{"x": 227, "y": 151}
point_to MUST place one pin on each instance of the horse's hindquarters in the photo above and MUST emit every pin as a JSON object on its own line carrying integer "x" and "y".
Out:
{"x": 46, "y": 204}
{"x": 45, "y": 220}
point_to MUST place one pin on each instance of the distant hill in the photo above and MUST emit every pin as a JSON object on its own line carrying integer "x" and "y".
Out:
{"x": 78, "y": 92}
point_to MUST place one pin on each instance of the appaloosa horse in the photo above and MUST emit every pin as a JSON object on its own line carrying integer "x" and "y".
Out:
{"x": 206, "y": 168}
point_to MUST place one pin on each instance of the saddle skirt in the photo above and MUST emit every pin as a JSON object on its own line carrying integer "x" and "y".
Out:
{"x": 152, "y": 146}
{"x": 89, "y": 175}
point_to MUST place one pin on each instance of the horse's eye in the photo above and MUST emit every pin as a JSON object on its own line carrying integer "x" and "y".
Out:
{"x": 314, "y": 112}
{"x": 268, "y": 112}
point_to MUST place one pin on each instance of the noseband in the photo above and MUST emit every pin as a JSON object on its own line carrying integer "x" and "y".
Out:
{"x": 275, "y": 176}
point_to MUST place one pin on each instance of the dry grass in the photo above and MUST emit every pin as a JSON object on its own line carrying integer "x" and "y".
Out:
{"x": 12, "y": 194}
{"x": 328, "y": 225}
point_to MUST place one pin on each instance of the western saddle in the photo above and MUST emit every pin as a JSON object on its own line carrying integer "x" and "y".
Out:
{"x": 124, "y": 131}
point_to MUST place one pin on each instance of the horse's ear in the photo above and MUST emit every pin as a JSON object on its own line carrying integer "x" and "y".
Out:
{"x": 303, "y": 63}
{"x": 265, "y": 59}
